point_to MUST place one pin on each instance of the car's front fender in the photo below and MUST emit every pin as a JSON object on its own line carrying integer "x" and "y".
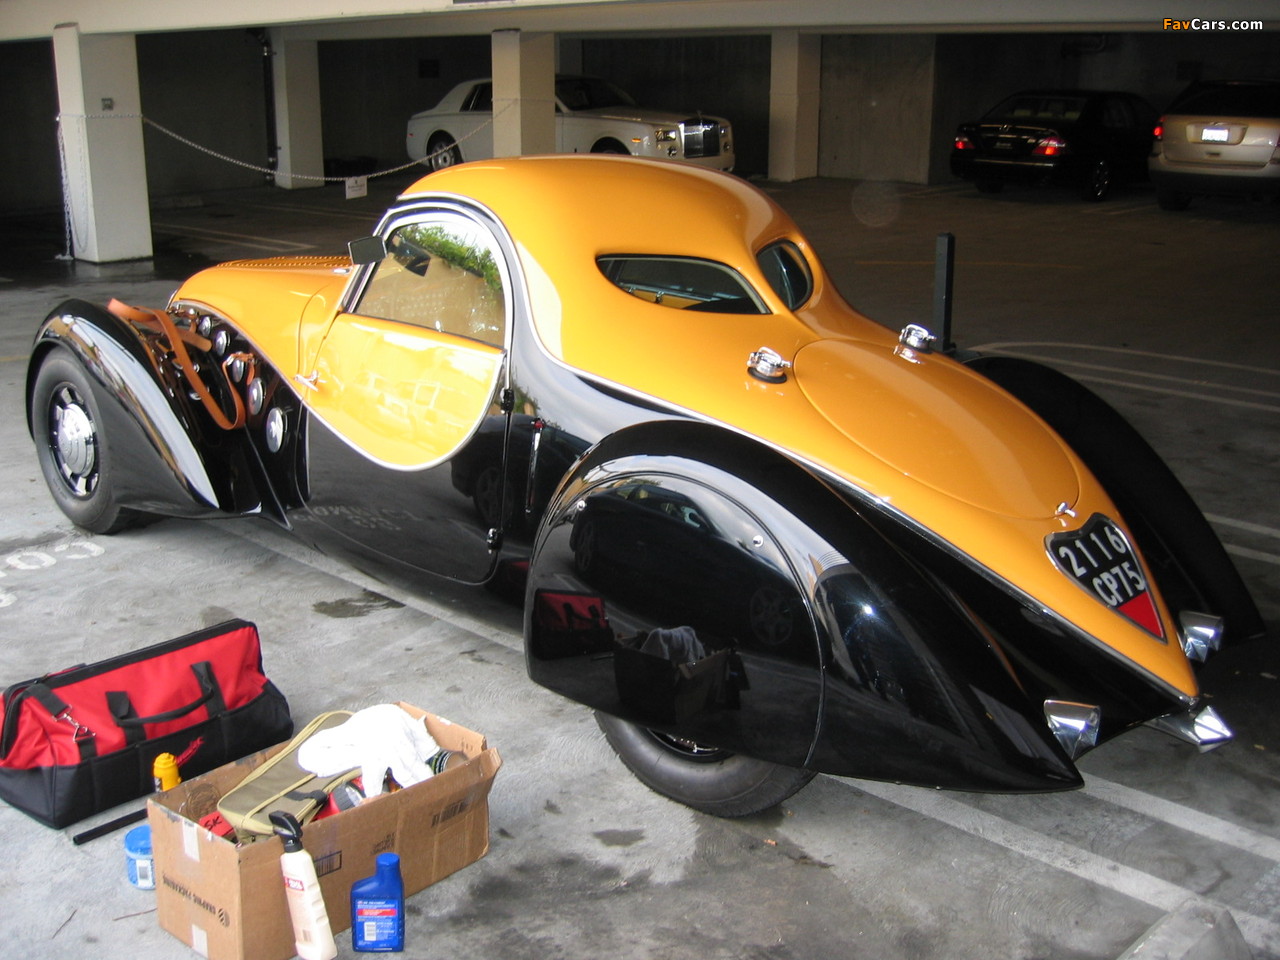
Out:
{"x": 163, "y": 462}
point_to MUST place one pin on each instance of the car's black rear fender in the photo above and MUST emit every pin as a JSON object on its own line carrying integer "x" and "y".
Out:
{"x": 1188, "y": 561}
{"x": 815, "y": 641}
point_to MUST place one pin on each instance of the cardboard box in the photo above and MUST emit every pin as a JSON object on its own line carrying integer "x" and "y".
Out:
{"x": 227, "y": 901}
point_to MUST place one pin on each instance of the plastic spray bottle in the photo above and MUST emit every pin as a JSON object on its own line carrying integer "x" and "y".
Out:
{"x": 313, "y": 937}
{"x": 377, "y": 908}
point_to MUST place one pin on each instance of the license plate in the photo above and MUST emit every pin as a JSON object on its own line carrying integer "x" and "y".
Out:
{"x": 1099, "y": 557}
{"x": 1215, "y": 134}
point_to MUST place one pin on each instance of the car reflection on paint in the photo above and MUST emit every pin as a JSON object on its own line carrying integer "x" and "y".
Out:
{"x": 647, "y": 543}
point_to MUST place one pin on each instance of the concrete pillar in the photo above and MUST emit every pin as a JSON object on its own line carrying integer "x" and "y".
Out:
{"x": 100, "y": 114}
{"x": 524, "y": 109}
{"x": 295, "y": 75}
{"x": 794, "y": 80}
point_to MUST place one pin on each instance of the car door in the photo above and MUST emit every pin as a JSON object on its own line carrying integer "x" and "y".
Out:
{"x": 405, "y": 385}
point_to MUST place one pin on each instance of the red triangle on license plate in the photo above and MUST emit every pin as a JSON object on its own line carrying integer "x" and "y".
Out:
{"x": 1142, "y": 611}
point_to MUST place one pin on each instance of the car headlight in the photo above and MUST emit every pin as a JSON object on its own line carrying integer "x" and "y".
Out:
{"x": 665, "y": 135}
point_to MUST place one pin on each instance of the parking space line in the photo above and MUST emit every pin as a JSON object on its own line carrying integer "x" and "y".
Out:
{"x": 1014, "y": 347}
{"x": 1242, "y": 525}
{"x": 1252, "y": 554}
{"x": 1188, "y": 394}
{"x": 1080, "y": 364}
{"x": 1184, "y": 818}
{"x": 1090, "y": 867}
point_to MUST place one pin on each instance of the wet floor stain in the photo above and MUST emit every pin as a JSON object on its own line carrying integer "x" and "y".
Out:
{"x": 362, "y": 605}
{"x": 619, "y": 838}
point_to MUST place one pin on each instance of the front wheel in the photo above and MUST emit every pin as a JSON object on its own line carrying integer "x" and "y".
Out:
{"x": 74, "y": 453}
{"x": 706, "y": 778}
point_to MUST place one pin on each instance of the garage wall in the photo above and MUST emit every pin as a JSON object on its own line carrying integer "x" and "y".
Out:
{"x": 890, "y": 103}
{"x": 207, "y": 87}
{"x": 723, "y": 76}
{"x": 30, "y": 174}
{"x": 877, "y": 92}
{"x": 370, "y": 88}
{"x": 1159, "y": 65}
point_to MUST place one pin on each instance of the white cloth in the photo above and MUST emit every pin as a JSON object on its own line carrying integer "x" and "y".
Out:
{"x": 376, "y": 739}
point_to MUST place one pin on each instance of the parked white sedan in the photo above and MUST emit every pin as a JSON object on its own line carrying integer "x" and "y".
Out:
{"x": 592, "y": 116}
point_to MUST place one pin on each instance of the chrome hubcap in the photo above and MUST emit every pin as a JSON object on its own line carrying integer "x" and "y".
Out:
{"x": 74, "y": 441}
{"x": 690, "y": 749}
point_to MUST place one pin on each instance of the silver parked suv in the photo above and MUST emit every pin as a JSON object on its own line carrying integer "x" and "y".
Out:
{"x": 1218, "y": 137}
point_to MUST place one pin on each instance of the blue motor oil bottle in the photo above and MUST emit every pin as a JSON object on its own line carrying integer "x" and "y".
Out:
{"x": 377, "y": 908}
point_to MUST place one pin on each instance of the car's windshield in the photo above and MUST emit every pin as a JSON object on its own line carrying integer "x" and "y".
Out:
{"x": 1038, "y": 106}
{"x": 591, "y": 93}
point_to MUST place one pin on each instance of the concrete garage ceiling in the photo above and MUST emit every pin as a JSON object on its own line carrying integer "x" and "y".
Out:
{"x": 355, "y": 19}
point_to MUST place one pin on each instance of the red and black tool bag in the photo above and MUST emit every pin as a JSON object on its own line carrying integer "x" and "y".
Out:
{"x": 567, "y": 624}
{"x": 82, "y": 740}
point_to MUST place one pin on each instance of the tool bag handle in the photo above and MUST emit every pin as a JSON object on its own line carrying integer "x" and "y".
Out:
{"x": 127, "y": 718}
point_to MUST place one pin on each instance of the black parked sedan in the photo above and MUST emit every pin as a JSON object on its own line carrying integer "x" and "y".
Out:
{"x": 1084, "y": 138}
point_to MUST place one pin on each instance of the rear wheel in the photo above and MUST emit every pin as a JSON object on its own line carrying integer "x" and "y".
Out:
{"x": 706, "y": 778}
{"x": 609, "y": 146}
{"x": 75, "y": 456}
{"x": 443, "y": 152}
{"x": 1098, "y": 184}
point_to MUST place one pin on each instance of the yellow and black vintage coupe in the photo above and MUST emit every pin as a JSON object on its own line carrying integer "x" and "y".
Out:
{"x": 759, "y": 534}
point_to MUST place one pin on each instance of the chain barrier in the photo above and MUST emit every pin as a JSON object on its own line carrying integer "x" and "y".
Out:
{"x": 268, "y": 171}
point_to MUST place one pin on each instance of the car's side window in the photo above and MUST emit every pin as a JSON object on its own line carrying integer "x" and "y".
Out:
{"x": 480, "y": 99}
{"x": 1117, "y": 114}
{"x": 682, "y": 283}
{"x": 443, "y": 274}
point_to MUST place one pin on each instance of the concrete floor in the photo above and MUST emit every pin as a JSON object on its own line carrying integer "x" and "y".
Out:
{"x": 1170, "y": 316}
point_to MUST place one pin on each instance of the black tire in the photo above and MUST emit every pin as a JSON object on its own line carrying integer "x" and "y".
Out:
{"x": 1172, "y": 200}
{"x": 1097, "y": 185}
{"x": 610, "y": 146}
{"x": 705, "y": 778}
{"x": 444, "y": 153}
{"x": 74, "y": 453}
{"x": 989, "y": 186}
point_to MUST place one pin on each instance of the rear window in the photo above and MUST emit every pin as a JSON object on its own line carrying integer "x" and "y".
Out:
{"x": 1036, "y": 106}
{"x": 682, "y": 283}
{"x": 1232, "y": 100}
{"x": 784, "y": 267}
